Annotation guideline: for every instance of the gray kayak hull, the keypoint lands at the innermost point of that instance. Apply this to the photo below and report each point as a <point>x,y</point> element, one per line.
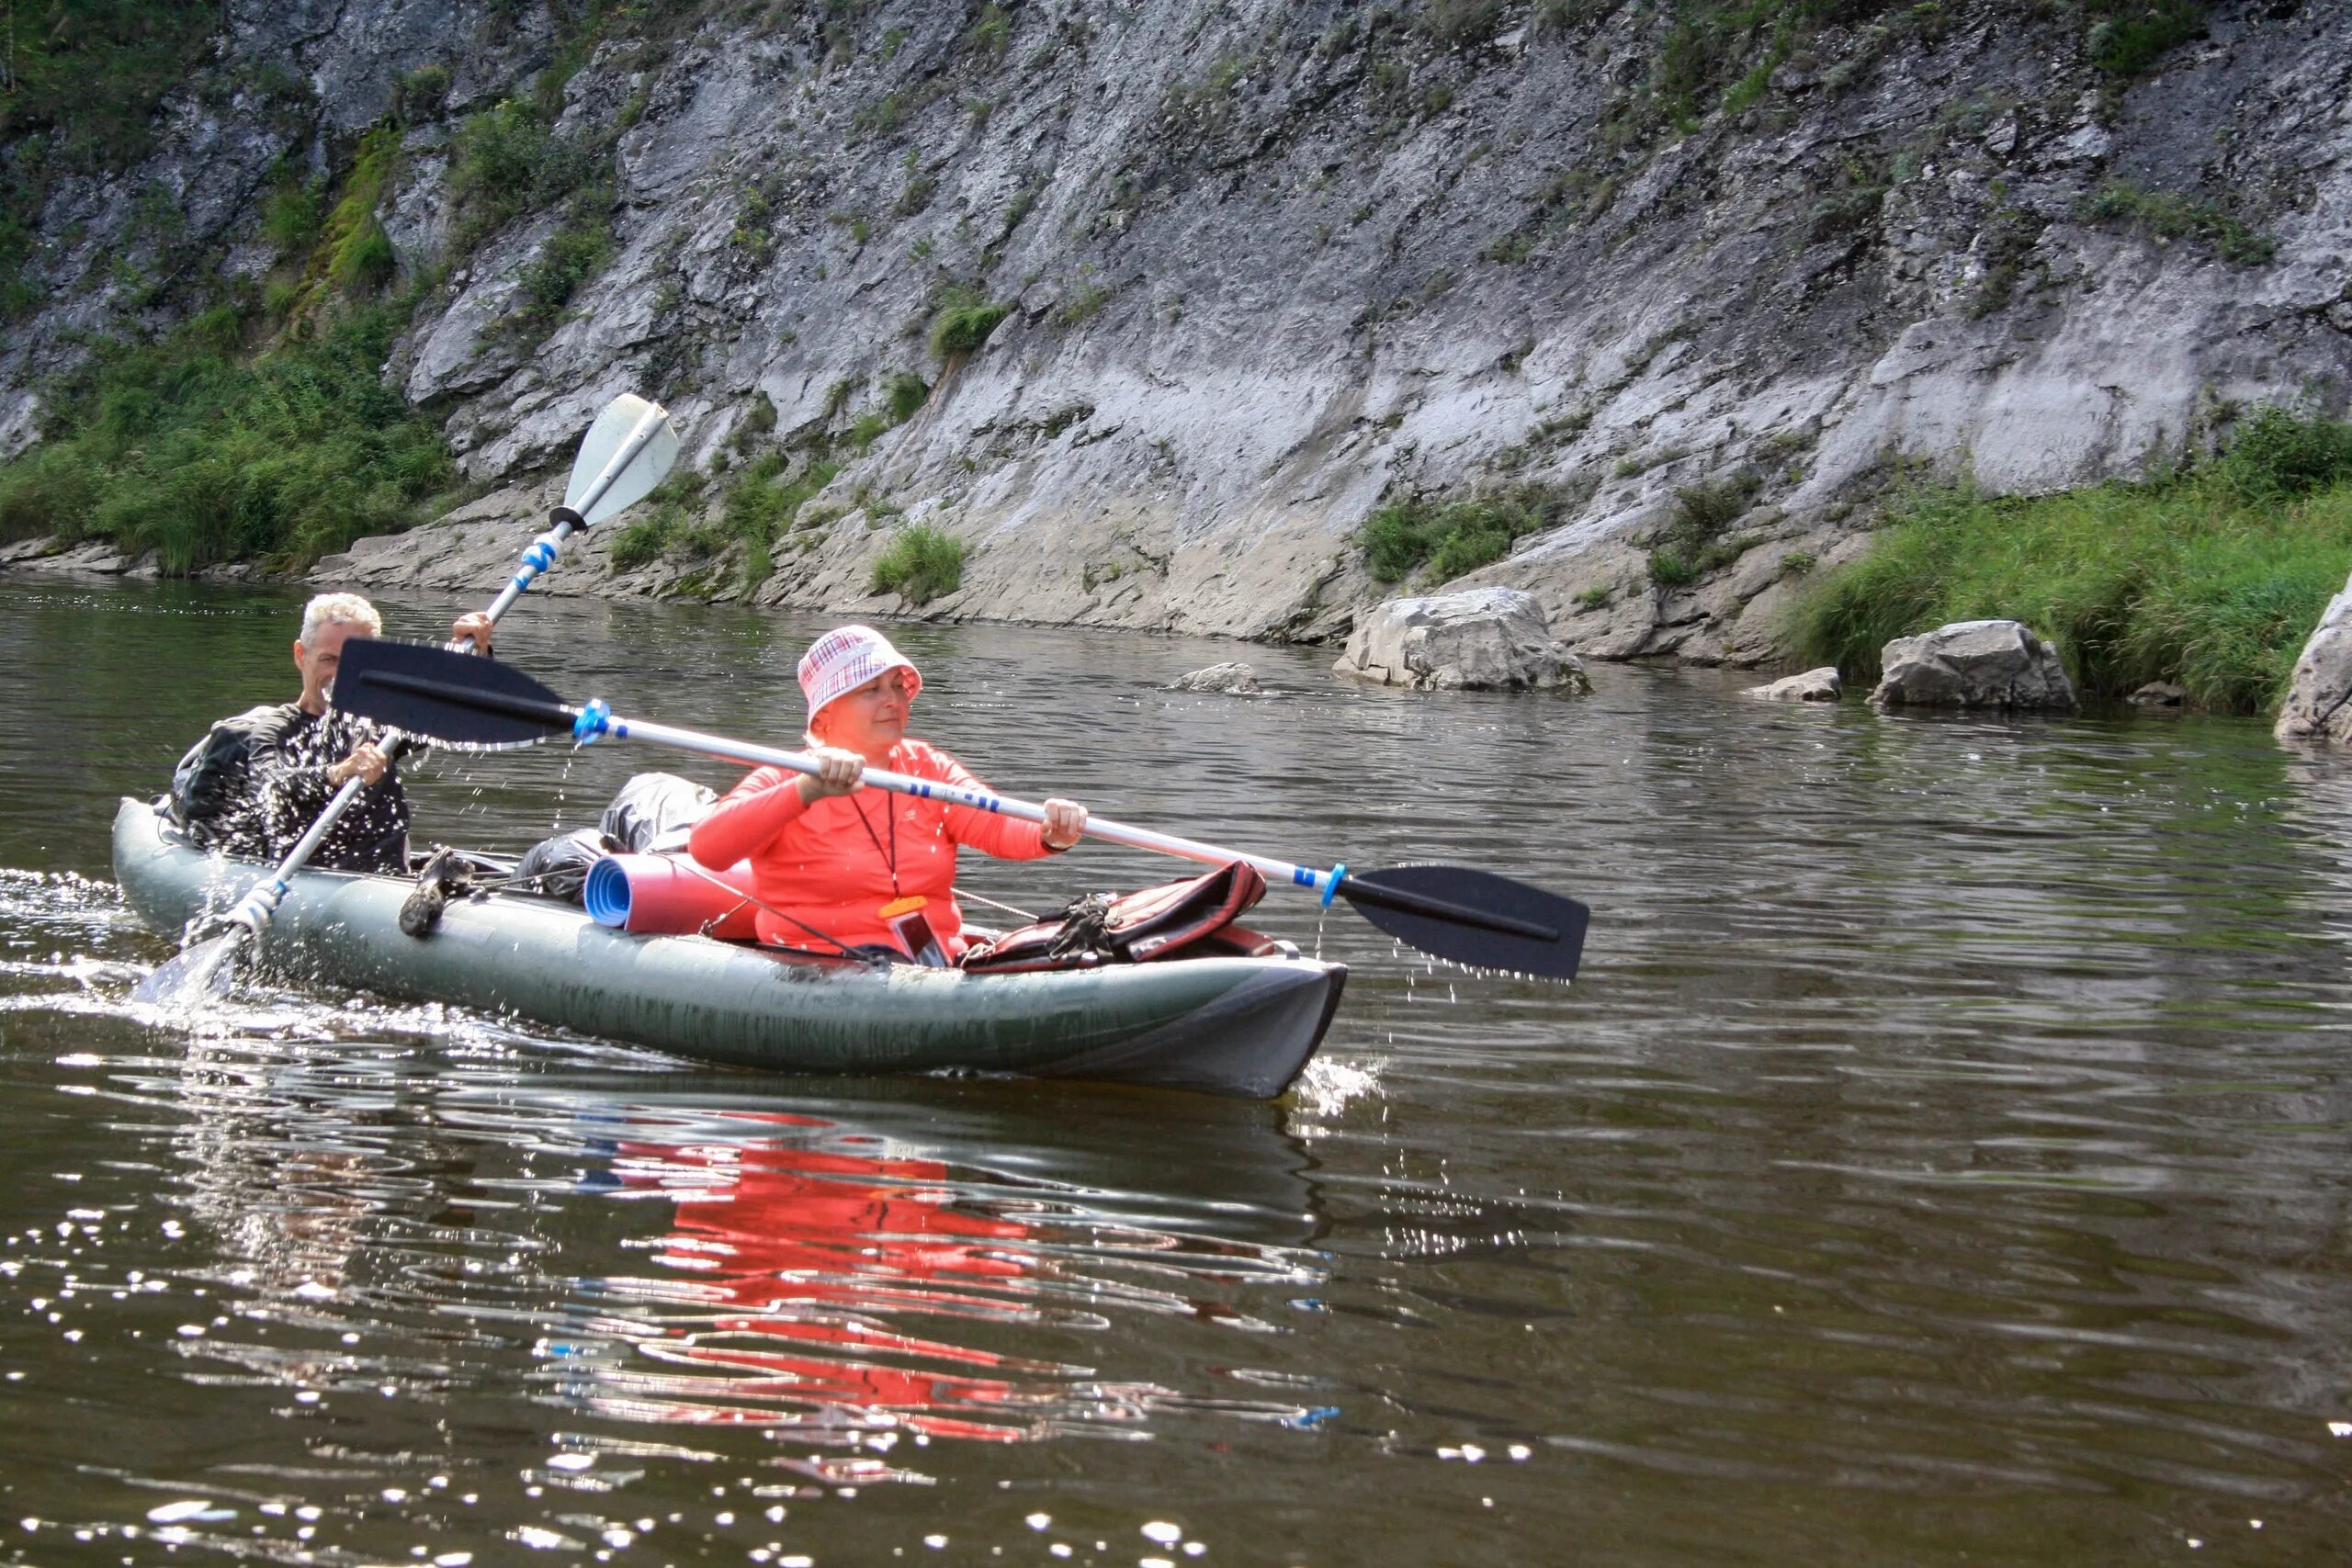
<point>1234,1026</point>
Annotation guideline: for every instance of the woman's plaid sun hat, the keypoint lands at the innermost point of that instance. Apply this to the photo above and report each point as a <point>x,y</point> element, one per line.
<point>847,658</point>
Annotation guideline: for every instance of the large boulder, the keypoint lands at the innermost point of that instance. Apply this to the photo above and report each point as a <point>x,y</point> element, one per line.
<point>2319,698</point>
<point>1480,638</point>
<point>1974,664</point>
<point>1822,685</point>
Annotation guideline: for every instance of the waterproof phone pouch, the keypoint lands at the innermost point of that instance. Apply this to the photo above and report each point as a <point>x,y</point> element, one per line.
<point>911,928</point>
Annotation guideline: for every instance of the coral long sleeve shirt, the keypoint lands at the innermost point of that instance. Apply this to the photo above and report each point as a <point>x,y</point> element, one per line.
<point>830,864</point>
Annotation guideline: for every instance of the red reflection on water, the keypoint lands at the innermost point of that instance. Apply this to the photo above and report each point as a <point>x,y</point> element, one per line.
<point>795,1251</point>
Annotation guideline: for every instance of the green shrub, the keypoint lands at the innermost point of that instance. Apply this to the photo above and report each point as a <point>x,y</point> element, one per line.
<point>365,263</point>
<point>990,32</point>
<point>758,420</point>
<point>762,505</point>
<point>422,93</point>
<point>961,328</point>
<point>507,162</point>
<point>2212,578</point>
<point>289,220</point>
<point>178,447</point>
<point>1451,538</point>
<point>1087,303</point>
<point>2278,454</point>
<point>646,537</point>
<point>2135,32</point>
<point>573,254</point>
<point>1668,569</point>
<point>923,563</point>
<point>904,394</point>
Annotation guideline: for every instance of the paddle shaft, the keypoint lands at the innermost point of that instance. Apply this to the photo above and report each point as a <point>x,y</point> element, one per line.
<point>594,720</point>
<point>1466,916</point>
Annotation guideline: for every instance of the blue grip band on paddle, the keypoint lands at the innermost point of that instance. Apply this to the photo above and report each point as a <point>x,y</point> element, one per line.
<point>593,720</point>
<point>1338,874</point>
<point>540,555</point>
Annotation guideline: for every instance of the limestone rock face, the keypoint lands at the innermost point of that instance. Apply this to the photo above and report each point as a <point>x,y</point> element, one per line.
<point>1235,678</point>
<point>1481,637</point>
<point>1822,685</point>
<point>1974,664</point>
<point>2319,700</point>
<point>1261,272</point>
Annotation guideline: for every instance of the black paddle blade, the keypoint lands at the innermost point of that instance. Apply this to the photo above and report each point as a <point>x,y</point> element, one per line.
<point>452,697</point>
<point>1473,917</point>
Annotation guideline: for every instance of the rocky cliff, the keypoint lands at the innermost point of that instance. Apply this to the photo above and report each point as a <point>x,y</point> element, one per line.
<point>1662,273</point>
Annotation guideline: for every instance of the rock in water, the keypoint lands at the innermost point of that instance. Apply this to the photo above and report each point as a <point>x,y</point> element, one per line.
<point>1478,638</point>
<point>1238,678</point>
<point>2319,699</point>
<point>1822,685</point>
<point>2158,694</point>
<point>1974,664</point>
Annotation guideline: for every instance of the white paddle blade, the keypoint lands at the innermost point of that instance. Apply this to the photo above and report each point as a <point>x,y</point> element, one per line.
<point>625,454</point>
<point>206,969</point>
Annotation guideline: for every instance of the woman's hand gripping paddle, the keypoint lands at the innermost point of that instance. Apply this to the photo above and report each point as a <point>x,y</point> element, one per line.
<point>1472,917</point>
<point>623,455</point>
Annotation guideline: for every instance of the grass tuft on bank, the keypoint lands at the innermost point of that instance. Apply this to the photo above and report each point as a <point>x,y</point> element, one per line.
<point>2211,578</point>
<point>183,447</point>
<point>1443,539</point>
<point>923,563</point>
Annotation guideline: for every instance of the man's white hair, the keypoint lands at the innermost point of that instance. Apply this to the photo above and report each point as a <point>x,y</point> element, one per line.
<point>339,609</point>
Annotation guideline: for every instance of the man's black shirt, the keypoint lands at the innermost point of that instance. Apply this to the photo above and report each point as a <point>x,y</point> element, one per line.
<point>256,782</point>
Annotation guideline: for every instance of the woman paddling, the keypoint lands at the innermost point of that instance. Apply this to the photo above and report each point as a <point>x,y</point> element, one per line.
<point>849,867</point>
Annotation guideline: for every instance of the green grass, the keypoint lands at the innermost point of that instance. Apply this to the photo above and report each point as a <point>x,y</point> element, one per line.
<point>2131,34</point>
<point>183,447</point>
<point>2169,217</point>
<point>964,323</point>
<point>354,251</point>
<point>923,563</point>
<point>2211,578</point>
<point>1443,539</point>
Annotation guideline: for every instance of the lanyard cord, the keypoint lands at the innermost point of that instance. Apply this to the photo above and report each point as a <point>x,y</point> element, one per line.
<point>891,858</point>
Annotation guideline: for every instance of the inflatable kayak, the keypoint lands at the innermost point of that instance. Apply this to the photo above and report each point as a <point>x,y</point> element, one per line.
<point>1230,1025</point>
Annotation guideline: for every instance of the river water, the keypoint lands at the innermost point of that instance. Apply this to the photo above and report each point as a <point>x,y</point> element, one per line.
<point>1943,1156</point>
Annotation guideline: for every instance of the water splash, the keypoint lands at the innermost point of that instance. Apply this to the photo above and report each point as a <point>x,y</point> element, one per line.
<point>198,976</point>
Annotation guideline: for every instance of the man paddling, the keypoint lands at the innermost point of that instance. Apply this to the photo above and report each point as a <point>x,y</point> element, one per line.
<point>256,782</point>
